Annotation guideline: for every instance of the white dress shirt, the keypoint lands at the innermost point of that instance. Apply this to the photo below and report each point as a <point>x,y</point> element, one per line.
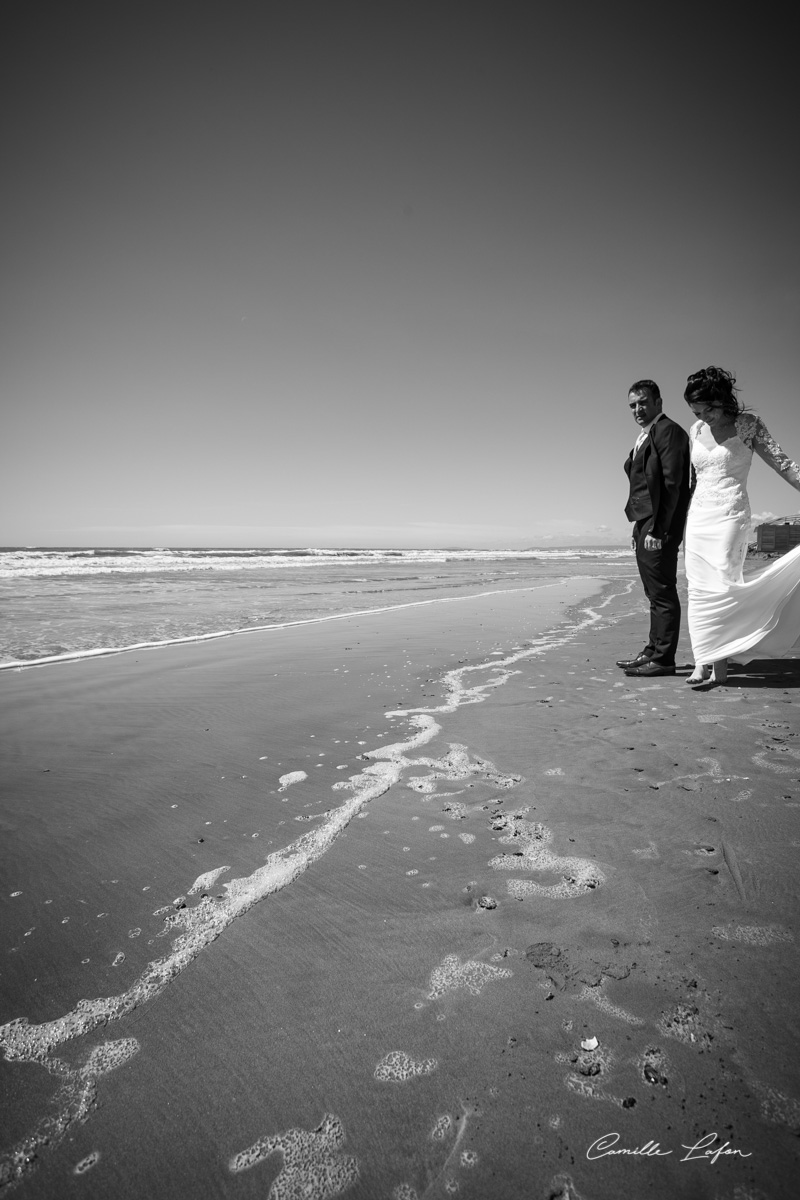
<point>642,438</point>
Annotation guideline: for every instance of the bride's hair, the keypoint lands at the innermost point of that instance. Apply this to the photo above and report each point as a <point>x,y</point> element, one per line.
<point>714,385</point>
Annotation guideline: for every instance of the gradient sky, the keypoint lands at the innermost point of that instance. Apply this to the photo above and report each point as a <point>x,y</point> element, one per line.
<point>378,273</point>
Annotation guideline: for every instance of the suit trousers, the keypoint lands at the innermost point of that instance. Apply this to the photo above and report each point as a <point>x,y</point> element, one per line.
<point>659,574</point>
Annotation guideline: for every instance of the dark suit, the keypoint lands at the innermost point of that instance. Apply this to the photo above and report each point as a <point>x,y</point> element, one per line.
<point>660,490</point>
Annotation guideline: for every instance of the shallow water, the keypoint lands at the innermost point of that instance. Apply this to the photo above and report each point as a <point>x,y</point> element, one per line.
<point>56,602</point>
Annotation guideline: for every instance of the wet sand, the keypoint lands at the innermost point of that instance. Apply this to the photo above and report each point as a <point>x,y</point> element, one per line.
<point>457,843</point>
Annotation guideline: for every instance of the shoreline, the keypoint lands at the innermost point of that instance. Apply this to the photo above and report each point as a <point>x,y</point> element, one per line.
<point>105,651</point>
<point>132,772</point>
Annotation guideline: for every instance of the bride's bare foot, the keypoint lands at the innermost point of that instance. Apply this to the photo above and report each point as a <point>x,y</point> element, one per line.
<point>700,674</point>
<point>720,672</point>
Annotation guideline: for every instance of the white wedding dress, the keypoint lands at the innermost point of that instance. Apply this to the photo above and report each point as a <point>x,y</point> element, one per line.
<point>728,617</point>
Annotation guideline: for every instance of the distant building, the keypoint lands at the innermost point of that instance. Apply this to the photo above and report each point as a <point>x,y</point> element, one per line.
<point>779,535</point>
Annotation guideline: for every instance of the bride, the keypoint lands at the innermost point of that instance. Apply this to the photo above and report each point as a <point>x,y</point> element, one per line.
<point>728,616</point>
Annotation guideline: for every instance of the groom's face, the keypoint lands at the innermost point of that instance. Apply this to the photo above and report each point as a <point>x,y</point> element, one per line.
<point>644,408</point>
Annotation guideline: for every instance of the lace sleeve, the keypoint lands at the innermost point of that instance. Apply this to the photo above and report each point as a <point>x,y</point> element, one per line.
<point>754,433</point>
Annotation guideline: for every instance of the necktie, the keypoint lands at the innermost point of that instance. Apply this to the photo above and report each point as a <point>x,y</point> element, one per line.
<point>640,441</point>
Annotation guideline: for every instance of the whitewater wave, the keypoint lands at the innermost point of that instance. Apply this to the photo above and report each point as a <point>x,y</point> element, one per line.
<point>31,562</point>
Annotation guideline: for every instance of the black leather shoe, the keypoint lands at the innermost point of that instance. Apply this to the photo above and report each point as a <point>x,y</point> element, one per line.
<point>633,662</point>
<point>648,669</point>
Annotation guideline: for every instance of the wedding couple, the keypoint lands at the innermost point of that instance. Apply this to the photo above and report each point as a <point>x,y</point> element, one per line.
<point>697,485</point>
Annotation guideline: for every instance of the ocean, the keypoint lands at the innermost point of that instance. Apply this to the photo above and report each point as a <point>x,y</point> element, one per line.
<point>58,603</point>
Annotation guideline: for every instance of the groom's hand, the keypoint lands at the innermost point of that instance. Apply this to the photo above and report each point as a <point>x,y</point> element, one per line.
<point>652,543</point>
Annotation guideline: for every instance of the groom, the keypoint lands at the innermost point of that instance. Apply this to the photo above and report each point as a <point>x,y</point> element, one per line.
<point>658,470</point>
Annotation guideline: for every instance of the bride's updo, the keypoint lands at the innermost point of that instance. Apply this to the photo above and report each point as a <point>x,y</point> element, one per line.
<point>713,385</point>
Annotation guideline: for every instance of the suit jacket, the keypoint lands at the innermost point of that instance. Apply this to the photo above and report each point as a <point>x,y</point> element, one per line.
<point>667,469</point>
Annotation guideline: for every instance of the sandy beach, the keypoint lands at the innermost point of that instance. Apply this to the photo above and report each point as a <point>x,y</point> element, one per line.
<point>427,902</point>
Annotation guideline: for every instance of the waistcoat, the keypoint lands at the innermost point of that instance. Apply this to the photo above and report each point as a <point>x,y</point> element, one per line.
<point>639,504</point>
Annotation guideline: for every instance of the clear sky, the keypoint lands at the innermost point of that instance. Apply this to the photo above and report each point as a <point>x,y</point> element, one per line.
<point>381,273</point>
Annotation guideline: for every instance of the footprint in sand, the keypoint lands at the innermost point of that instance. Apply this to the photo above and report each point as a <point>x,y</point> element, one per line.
<point>588,1070</point>
<point>573,969</point>
<point>684,1023</point>
<point>653,1067</point>
<point>314,1166</point>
